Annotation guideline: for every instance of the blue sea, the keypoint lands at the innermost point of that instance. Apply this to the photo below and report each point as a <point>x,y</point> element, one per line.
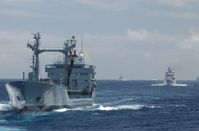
<point>119,106</point>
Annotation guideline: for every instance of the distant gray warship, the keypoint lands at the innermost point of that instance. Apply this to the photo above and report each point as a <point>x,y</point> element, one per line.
<point>169,80</point>
<point>70,83</point>
<point>169,77</point>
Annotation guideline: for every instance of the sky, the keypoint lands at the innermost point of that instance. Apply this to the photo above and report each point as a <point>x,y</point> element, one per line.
<point>136,39</point>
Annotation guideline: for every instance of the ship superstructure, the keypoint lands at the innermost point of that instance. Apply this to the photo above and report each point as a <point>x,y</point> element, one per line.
<point>169,77</point>
<point>69,83</point>
<point>169,80</point>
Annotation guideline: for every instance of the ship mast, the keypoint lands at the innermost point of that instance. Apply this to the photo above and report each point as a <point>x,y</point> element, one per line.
<point>37,44</point>
<point>68,51</point>
<point>36,51</point>
<point>69,58</point>
<point>81,43</point>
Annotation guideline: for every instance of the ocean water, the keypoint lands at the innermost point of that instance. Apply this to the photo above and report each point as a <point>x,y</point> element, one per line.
<point>119,106</point>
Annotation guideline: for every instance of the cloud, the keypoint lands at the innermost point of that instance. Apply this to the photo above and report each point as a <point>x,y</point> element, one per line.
<point>137,34</point>
<point>127,4</point>
<point>184,15</point>
<point>17,2</point>
<point>139,37</point>
<point>148,55</point>
<point>115,5</point>
<point>116,53</point>
<point>191,41</point>
<point>17,13</point>
<point>16,58</point>
<point>177,9</point>
<point>108,51</point>
<point>130,48</point>
<point>33,8</point>
<point>19,8</point>
<point>176,3</point>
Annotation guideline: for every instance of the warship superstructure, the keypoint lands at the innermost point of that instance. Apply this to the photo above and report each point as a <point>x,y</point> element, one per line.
<point>169,80</point>
<point>70,83</point>
<point>169,77</point>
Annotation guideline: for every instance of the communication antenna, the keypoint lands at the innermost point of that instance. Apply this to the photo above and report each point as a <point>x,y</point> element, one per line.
<point>81,43</point>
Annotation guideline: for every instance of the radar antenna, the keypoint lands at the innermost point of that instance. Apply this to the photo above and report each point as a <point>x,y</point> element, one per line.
<point>35,49</point>
<point>81,43</point>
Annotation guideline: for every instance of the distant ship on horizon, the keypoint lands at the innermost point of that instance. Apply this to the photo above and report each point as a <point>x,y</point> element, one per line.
<point>197,79</point>
<point>121,78</point>
<point>169,79</point>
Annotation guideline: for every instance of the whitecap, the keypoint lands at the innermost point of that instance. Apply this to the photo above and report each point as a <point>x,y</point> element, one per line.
<point>106,108</point>
<point>178,85</point>
<point>158,84</point>
<point>97,107</point>
<point>61,110</point>
<point>122,100</point>
<point>130,107</point>
<point>121,107</point>
<point>5,107</point>
<point>11,129</point>
<point>152,106</point>
<point>72,109</point>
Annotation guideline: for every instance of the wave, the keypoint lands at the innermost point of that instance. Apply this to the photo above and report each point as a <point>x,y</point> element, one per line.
<point>11,129</point>
<point>178,85</point>
<point>86,108</point>
<point>94,107</point>
<point>60,110</point>
<point>119,101</point>
<point>5,107</point>
<point>158,84</point>
<point>98,107</point>
<point>121,107</point>
<point>71,109</point>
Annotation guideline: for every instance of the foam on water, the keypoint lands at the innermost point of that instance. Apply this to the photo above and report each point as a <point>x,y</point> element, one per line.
<point>117,101</point>
<point>98,107</point>
<point>120,107</point>
<point>11,129</point>
<point>106,108</point>
<point>158,84</point>
<point>61,110</point>
<point>132,105</point>
<point>72,109</point>
<point>5,107</point>
<point>178,85</point>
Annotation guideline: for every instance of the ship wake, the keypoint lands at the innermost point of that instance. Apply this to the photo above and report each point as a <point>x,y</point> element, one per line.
<point>100,107</point>
<point>176,85</point>
<point>5,107</point>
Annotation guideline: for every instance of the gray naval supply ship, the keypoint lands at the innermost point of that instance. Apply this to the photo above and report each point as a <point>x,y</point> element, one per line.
<point>70,83</point>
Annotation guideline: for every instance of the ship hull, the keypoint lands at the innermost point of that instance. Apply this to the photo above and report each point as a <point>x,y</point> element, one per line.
<point>169,82</point>
<point>36,96</point>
